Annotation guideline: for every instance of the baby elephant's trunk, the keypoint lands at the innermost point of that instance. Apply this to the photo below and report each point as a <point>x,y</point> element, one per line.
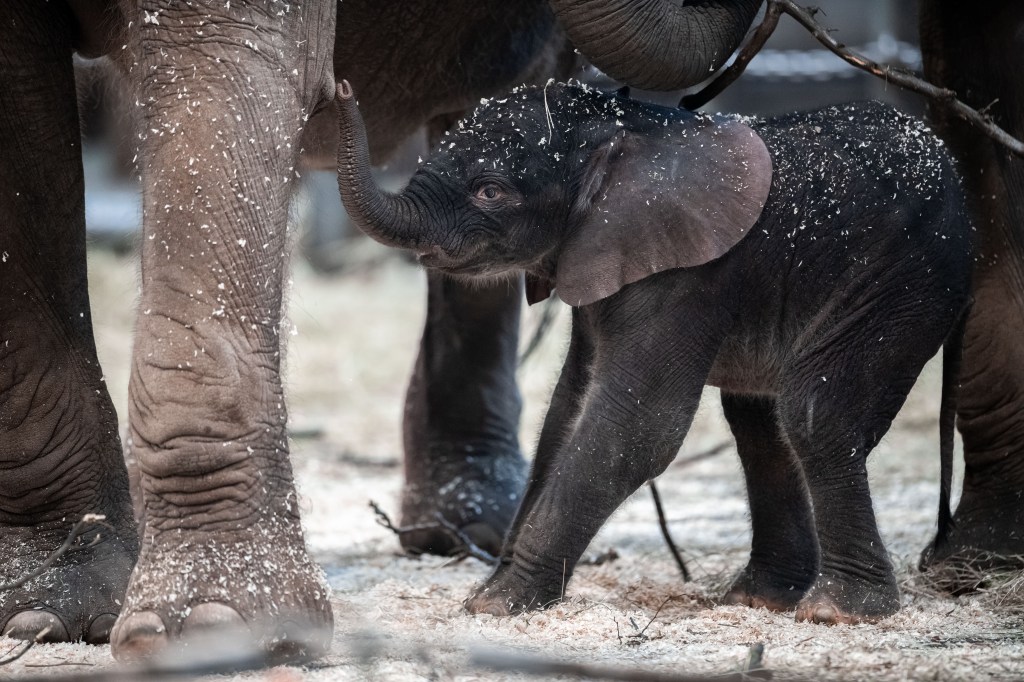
<point>390,219</point>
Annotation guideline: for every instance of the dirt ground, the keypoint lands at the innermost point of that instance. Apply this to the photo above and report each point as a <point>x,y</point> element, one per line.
<point>352,345</point>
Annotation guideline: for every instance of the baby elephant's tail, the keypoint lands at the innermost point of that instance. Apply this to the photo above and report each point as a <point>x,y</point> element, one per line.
<point>952,352</point>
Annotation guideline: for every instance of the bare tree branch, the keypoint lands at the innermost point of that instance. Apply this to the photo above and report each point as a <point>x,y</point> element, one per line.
<point>668,536</point>
<point>87,520</point>
<point>464,546</point>
<point>24,649</point>
<point>898,77</point>
<point>543,667</point>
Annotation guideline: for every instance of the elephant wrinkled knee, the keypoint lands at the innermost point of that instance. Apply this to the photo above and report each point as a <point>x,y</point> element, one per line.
<point>39,625</point>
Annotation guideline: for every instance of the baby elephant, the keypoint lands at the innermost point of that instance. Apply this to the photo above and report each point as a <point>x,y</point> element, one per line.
<point>807,265</point>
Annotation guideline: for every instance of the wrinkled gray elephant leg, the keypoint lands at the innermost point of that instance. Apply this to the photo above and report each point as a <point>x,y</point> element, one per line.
<point>462,456</point>
<point>980,54</point>
<point>784,550</point>
<point>839,395</point>
<point>226,89</point>
<point>635,415</point>
<point>59,448</point>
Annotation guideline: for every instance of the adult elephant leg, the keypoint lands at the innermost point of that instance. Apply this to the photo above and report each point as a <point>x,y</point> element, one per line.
<point>979,52</point>
<point>59,449</point>
<point>226,88</point>
<point>462,456</point>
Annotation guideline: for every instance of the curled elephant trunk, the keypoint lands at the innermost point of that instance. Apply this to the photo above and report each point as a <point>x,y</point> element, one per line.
<point>392,220</point>
<point>657,44</point>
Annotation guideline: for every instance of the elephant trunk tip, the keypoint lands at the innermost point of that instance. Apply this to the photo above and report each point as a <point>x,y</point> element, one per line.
<point>344,90</point>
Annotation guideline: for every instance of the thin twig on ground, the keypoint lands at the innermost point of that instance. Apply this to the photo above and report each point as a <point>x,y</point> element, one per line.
<point>464,546</point>
<point>896,76</point>
<point>25,647</point>
<point>221,654</point>
<point>663,524</point>
<point>640,636</point>
<point>544,667</point>
<point>76,530</point>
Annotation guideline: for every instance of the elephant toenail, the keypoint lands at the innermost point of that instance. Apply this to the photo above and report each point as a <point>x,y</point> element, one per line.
<point>138,636</point>
<point>212,616</point>
<point>40,625</point>
<point>825,615</point>
<point>99,629</point>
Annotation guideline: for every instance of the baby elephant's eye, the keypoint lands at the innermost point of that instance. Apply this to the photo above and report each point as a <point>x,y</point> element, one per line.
<point>489,191</point>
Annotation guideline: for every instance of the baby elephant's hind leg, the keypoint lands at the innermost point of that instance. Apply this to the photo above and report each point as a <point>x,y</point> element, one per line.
<point>784,551</point>
<point>839,397</point>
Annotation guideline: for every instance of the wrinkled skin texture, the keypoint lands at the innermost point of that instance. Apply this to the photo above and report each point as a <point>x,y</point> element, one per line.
<point>59,446</point>
<point>222,110</point>
<point>979,52</point>
<point>814,321</point>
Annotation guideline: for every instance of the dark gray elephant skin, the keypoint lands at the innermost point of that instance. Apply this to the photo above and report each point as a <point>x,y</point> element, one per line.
<point>808,265</point>
<point>224,93</point>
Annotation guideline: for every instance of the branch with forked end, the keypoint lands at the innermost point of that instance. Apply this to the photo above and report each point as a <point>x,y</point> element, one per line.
<point>76,530</point>
<point>908,81</point>
<point>464,546</point>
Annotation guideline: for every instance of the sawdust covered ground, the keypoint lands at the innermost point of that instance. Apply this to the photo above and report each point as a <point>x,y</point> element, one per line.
<point>353,343</point>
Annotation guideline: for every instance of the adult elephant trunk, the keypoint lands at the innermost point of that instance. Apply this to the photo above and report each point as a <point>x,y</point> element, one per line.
<point>657,44</point>
<point>391,219</point>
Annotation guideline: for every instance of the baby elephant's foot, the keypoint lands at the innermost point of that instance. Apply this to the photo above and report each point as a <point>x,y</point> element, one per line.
<point>509,591</point>
<point>842,599</point>
<point>761,588</point>
<point>479,493</point>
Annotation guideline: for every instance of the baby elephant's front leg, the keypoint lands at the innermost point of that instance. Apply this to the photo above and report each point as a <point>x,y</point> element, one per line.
<point>631,423</point>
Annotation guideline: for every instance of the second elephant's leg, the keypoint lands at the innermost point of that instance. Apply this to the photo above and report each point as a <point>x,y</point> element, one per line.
<point>226,89</point>
<point>60,454</point>
<point>462,456</point>
<point>980,55</point>
<point>784,550</point>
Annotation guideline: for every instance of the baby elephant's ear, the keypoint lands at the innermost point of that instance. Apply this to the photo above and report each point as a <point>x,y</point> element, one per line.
<point>652,202</point>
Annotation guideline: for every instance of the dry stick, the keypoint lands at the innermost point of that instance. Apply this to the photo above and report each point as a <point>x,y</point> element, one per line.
<point>507,662</point>
<point>28,645</point>
<point>464,546</point>
<point>662,522</point>
<point>86,520</point>
<point>898,77</point>
<point>665,534</point>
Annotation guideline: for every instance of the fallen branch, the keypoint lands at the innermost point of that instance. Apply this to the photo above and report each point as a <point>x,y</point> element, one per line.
<point>898,77</point>
<point>663,523</point>
<point>464,546</point>
<point>24,649</point>
<point>545,667</point>
<point>218,653</point>
<point>76,530</point>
